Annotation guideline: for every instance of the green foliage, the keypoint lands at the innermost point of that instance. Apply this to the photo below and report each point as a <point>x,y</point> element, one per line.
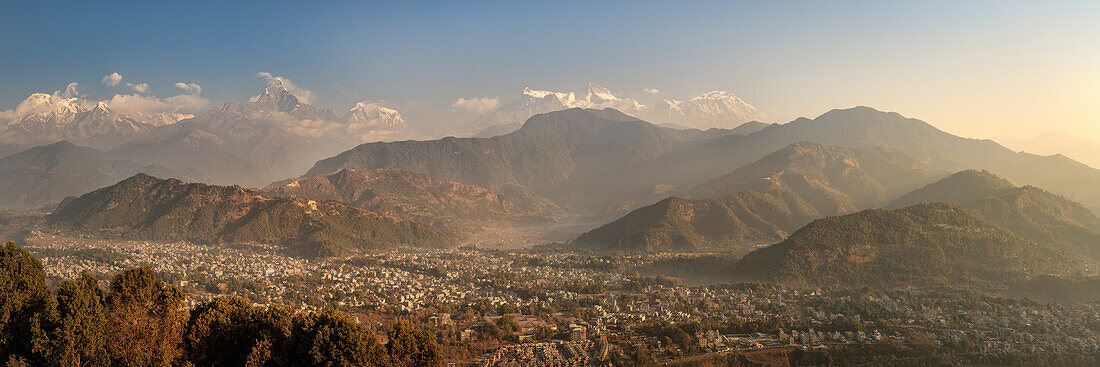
<point>409,347</point>
<point>27,311</point>
<point>229,331</point>
<point>81,339</point>
<point>329,338</point>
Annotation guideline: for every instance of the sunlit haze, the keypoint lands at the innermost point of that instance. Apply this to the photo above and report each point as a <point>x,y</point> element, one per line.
<point>979,69</point>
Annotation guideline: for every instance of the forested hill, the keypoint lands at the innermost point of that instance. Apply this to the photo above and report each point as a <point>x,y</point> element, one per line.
<point>918,245</point>
<point>1028,211</point>
<point>146,207</point>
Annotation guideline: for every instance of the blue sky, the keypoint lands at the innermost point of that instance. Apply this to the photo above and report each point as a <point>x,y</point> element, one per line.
<point>983,68</point>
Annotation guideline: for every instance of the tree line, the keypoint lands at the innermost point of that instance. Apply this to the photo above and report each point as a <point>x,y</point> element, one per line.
<point>140,320</point>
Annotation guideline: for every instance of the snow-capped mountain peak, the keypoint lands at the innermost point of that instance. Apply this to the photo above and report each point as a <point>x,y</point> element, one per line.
<point>373,114</point>
<point>595,93</point>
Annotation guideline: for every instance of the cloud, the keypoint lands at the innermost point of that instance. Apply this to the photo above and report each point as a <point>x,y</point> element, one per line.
<point>112,79</point>
<point>652,90</point>
<point>480,105</point>
<point>140,87</point>
<point>190,88</point>
<point>137,103</point>
<point>304,95</point>
<point>70,91</point>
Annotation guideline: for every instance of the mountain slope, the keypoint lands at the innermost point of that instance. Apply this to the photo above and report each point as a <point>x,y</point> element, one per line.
<point>576,158</point>
<point>833,179</point>
<point>939,150</point>
<point>46,174</point>
<point>918,245</point>
<point>145,207</point>
<point>734,223</point>
<point>1027,211</point>
<point>586,162</point>
<point>417,197</point>
<point>763,202</point>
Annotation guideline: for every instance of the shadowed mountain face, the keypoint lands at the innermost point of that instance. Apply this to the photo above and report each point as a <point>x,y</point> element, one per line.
<point>44,175</point>
<point>145,207</point>
<point>763,202</point>
<point>414,196</point>
<point>580,159</point>
<point>919,245</point>
<point>1027,211</point>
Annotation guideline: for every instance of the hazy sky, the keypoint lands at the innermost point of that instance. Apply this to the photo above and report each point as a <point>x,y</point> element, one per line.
<point>980,68</point>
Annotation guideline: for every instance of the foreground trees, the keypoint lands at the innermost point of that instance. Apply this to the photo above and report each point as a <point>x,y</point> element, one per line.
<point>141,321</point>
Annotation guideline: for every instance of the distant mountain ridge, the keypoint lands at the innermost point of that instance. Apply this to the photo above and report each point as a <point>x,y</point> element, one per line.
<point>44,175</point>
<point>715,109</point>
<point>145,207</point>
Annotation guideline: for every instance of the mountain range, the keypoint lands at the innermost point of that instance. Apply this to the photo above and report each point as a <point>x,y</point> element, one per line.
<point>143,207</point>
<point>269,138</point>
<point>47,118</point>
<point>715,109</point>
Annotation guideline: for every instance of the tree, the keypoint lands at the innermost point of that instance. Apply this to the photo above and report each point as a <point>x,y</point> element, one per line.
<point>229,331</point>
<point>329,338</point>
<point>409,346</point>
<point>145,320</point>
<point>27,310</point>
<point>80,339</point>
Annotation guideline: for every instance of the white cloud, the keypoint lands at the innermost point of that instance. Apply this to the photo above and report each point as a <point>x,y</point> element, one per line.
<point>477,104</point>
<point>71,91</point>
<point>136,103</point>
<point>140,87</point>
<point>304,95</point>
<point>652,90</point>
<point>112,79</point>
<point>190,88</point>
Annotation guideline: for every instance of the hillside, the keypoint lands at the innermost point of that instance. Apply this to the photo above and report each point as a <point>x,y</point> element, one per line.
<point>145,207</point>
<point>580,159</point>
<point>923,142</point>
<point>47,174</point>
<point>733,223</point>
<point>589,160</point>
<point>1027,211</point>
<point>833,179</point>
<point>417,197</point>
<point>918,245</point>
<point>763,202</point>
